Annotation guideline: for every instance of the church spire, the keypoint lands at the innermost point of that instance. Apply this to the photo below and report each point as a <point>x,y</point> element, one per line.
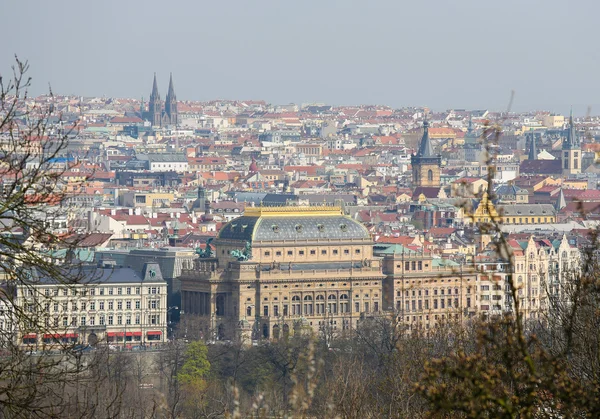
<point>171,92</point>
<point>532,149</point>
<point>171,103</point>
<point>425,148</point>
<point>154,93</point>
<point>560,201</point>
<point>571,139</point>
<point>155,105</point>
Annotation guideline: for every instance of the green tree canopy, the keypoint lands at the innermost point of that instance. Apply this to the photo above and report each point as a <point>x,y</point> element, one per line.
<point>196,365</point>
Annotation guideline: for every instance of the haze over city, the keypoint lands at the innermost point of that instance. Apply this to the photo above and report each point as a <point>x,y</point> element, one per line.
<point>462,54</point>
<point>310,209</point>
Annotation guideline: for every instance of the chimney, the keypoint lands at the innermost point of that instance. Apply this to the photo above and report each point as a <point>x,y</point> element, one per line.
<point>113,211</point>
<point>130,211</point>
<point>138,211</point>
<point>177,214</point>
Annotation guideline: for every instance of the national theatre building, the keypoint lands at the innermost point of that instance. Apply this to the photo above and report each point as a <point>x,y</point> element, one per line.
<point>276,270</point>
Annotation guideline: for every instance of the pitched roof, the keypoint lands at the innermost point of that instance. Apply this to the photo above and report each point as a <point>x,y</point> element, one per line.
<point>544,167</point>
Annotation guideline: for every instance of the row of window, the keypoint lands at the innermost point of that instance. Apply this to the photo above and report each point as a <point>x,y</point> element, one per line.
<point>95,291</point>
<point>84,306</point>
<point>309,309</point>
<point>527,220</point>
<point>418,305</point>
<point>103,320</point>
<point>312,252</point>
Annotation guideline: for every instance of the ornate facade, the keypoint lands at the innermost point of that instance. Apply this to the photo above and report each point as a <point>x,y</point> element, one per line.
<point>157,114</point>
<point>281,269</point>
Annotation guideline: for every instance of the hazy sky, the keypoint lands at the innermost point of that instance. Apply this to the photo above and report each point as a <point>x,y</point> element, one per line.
<point>437,53</point>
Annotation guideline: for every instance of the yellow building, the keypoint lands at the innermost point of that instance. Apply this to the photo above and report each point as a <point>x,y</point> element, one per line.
<point>283,269</point>
<point>424,291</point>
<point>553,121</point>
<point>487,212</point>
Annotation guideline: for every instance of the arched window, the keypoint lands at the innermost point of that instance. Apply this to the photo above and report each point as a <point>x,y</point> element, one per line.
<point>430,175</point>
<point>296,306</point>
<point>308,307</point>
<point>344,305</point>
<point>276,332</point>
<point>249,311</point>
<point>265,331</point>
<point>332,305</point>
<point>320,306</point>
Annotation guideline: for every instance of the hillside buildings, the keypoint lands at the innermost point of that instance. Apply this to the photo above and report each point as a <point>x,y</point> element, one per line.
<point>234,194</point>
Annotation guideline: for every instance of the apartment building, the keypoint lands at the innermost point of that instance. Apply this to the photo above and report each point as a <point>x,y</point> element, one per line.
<point>108,304</point>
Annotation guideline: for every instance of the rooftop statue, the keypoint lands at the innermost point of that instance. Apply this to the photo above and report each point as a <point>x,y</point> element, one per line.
<point>207,252</point>
<point>243,255</point>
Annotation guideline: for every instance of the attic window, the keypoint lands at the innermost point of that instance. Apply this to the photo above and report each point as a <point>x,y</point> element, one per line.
<point>299,228</point>
<point>321,228</point>
<point>275,228</point>
<point>344,227</point>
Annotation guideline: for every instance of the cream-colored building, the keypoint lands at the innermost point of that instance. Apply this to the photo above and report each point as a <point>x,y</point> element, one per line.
<point>424,291</point>
<point>108,304</point>
<point>309,268</point>
<point>553,121</point>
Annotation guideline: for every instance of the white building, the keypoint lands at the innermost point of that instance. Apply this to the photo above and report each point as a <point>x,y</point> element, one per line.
<point>107,304</point>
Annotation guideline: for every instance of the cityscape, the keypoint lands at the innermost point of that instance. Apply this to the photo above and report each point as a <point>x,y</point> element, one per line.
<point>373,224</point>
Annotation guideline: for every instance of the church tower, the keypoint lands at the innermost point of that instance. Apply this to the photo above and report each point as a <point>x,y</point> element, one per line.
<point>425,164</point>
<point>571,151</point>
<point>171,104</point>
<point>155,105</point>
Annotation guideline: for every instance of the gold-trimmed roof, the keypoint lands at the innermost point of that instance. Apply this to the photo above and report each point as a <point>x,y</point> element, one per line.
<point>297,211</point>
